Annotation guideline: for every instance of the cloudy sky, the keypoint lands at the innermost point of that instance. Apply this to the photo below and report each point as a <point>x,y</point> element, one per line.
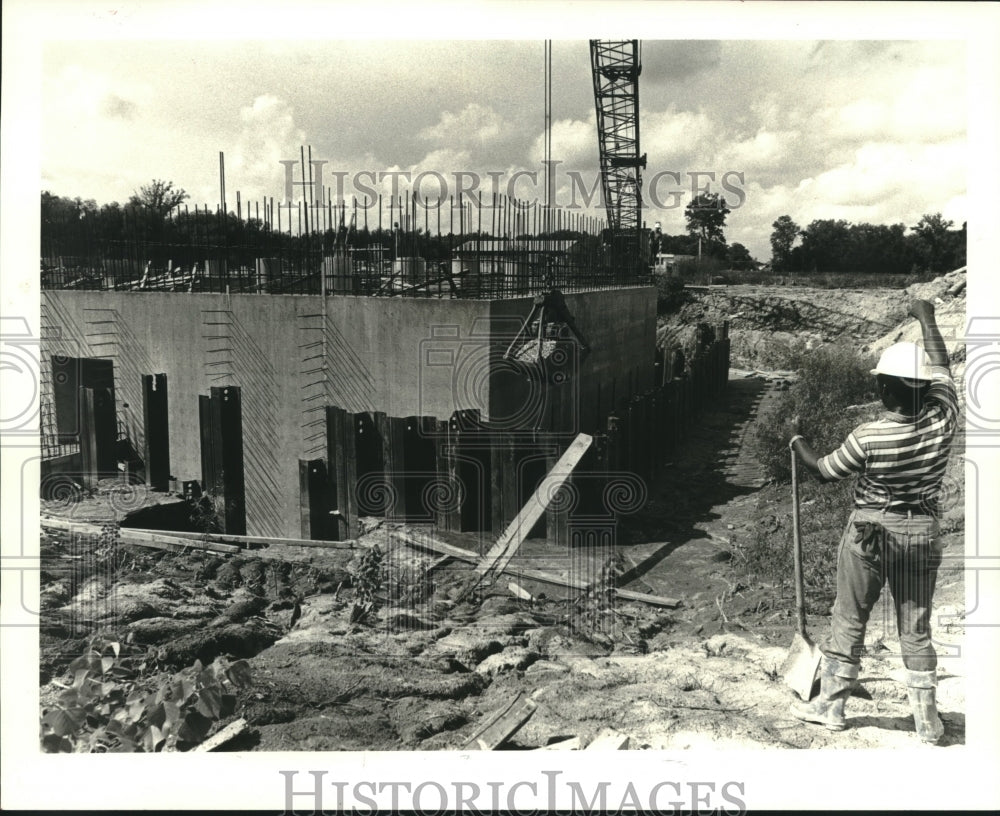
<point>871,131</point>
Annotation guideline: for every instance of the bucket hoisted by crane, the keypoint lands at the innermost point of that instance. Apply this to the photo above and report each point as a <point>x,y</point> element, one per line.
<point>548,343</point>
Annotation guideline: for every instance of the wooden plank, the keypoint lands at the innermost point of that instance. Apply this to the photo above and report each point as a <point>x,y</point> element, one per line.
<point>63,525</point>
<point>518,591</point>
<point>609,740</point>
<point>438,562</point>
<point>470,557</point>
<point>392,431</point>
<point>227,428</point>
<point>652,600</point>
<point>341,470</point>
<point>314,509</point>
<point>503,725</point>
<point>156,430</point>
<point>557,514</point>
<point>231,731</point>
<point>262,540</point>
<point>211,482</point>
<point>499,556</point>
<point>448,515</point>
<point>144,539</point>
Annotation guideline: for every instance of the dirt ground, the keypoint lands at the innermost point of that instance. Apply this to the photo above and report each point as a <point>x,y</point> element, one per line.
<point>769,323</point>
<point>428,668</point>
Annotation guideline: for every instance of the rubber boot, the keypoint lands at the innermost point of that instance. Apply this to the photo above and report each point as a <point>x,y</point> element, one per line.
<point>836,682</point>
<point>921,687</point>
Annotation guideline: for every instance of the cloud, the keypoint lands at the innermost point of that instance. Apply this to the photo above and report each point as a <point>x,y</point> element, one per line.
<point>475,123</point>
<point>574,143</point>
<point>268,135</point>
<point>864,130</point>
<point>664,62</point>
<point>116,107</point>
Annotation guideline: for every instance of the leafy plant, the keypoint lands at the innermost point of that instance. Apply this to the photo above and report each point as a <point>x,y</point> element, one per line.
<point>832,379</point>
<point>207,514</point>
<point>593,611</point>
<point>765,552</point>
<point>367,583</point>
<point>670,294</point>
<point>108,707</point>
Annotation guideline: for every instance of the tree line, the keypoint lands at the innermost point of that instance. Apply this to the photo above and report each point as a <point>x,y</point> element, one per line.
<point>933,245</point>
<point>156,218</point>
<point>153,214</point>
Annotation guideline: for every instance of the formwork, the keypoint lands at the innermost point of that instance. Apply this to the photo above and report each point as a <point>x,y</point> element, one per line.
<point>271,400</point>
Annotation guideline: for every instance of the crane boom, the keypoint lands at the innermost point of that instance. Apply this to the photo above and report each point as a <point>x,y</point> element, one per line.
<point>616,65</point>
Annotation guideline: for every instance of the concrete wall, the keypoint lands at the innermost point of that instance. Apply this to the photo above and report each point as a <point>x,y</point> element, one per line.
<point>294,354</point>
<point>619,325</point>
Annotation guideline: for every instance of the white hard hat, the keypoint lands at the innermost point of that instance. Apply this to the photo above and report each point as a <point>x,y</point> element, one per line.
<point>907,361</point>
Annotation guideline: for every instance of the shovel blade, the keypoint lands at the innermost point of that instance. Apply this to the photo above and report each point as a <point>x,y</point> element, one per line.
<point>799,668</point>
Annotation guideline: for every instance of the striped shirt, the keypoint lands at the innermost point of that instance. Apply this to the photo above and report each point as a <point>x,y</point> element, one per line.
<point>901,459</point>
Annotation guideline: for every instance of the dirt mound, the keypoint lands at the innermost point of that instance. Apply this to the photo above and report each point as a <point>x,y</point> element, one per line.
<point>770,324</point>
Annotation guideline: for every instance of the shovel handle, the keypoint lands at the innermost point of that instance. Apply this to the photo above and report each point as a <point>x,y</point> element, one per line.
<point>800,602</point>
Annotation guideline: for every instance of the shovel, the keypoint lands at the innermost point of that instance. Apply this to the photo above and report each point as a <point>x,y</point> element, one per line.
<point>800,666</point>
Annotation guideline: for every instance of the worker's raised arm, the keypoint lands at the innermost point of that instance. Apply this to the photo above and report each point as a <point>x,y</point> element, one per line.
<point>923,311</point>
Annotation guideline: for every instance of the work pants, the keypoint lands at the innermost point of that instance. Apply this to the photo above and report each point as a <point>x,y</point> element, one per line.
<point>878,548</point>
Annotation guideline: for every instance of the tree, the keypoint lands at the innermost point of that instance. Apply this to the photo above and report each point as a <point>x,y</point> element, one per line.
<point>939,248</point>
<point>739,257</point>
<point>782,239</point>
<point>706,217</point>
<point>825,244</point>
<point>158,197</point>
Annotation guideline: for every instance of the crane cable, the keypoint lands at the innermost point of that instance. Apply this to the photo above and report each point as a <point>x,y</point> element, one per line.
<point>549,179</point>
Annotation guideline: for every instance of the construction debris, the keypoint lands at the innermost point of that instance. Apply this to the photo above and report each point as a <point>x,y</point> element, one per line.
<point>609,740</point>
<point>427,542</point>
<point>519,592</point>
<point>230,732</point>
<point>265,541</point>
<point>571,744</point>
<point>500,727</point>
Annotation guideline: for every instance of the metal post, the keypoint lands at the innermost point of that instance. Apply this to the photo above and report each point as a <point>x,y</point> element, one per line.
<point>156,430</point>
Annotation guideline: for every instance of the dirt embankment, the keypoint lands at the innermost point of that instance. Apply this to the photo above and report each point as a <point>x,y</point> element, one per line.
<point>769,324</point>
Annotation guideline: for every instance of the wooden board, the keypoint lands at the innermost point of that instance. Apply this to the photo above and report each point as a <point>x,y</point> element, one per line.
<point>497,559</point>
<point>227,538</point>
<point>609,740</point>
<point>442,548</point>
<point>571,744</point>
<point>234,729</point>
<point>502,725</point>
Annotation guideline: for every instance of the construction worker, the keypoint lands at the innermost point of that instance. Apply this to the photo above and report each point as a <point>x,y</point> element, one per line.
<point>892,533</point>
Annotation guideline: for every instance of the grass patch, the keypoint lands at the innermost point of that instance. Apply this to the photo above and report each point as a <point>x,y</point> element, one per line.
<point>835,392</point>
<point>764,553</point>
